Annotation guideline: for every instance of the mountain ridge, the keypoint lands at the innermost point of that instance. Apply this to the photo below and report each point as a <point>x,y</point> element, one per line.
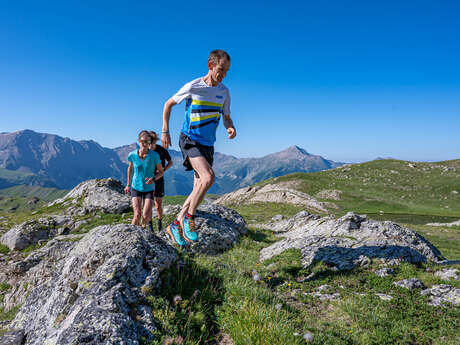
<point>62,162</point>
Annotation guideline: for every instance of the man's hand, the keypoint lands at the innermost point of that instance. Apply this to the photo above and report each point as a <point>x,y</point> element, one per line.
<point>127,190</point>
<point>231,132</point>
<point>158,176</point>
<point>165,140</point>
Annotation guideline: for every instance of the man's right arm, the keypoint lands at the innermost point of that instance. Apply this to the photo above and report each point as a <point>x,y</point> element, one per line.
<point>165,136</point>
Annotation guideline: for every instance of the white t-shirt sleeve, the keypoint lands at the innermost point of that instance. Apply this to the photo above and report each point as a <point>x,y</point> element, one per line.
<point>183,93</point>
<point>226,105</point>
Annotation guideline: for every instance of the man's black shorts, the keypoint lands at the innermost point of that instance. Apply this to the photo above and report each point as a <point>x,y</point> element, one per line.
<point>144,195</point>
<point>191,148</point>
<point>159,188</point>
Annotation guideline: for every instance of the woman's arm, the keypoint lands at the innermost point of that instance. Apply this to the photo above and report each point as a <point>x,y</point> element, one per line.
<point>130,173</point>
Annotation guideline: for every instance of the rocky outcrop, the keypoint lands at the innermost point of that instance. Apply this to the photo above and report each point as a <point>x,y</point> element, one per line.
<point>411,284</point>
<point>104,195</point>
<point>331,194</point>
<point>273,193</point>
<point>218,228</point>
<point>352,240</point>
<point>281,224</point>
<point>33,231</point>
<point>439,295</point>
<point>88,291</point>
<point>447,274</point>
<point>456,223</point>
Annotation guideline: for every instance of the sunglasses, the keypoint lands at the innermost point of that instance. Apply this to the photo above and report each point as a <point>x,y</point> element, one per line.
<point>145,141</point>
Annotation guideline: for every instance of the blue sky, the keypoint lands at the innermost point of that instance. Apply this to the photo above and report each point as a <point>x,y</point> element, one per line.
<point>349,80</point>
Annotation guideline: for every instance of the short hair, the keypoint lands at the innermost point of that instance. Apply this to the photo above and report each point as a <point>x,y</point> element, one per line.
<point>144,132</point>
<point>154,136</point>
<point>216,55</point>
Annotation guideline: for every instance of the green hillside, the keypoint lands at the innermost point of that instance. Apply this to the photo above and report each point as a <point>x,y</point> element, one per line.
<point>388,186</point>
<point>26,198</point>
<point>9,178</point>
<point>46,194</point>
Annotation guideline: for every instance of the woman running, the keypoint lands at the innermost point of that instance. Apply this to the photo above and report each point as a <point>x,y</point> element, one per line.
<point>141,176</point>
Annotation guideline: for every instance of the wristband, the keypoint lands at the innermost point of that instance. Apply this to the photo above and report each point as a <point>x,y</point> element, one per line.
<point>164,132</point>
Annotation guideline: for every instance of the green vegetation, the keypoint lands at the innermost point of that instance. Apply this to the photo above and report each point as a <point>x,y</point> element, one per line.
<point>201,297</point>
<point>4,287</point>
<point>218,294</point>
<point>4,249</point>
<point>45,194</point>
<point>233,303</point>
<point>388,186</point>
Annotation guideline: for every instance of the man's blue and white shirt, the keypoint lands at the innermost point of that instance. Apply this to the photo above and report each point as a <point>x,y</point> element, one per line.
<point>204,107</point>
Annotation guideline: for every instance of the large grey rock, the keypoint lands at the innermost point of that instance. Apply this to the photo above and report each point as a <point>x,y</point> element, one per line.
<point>279,225</point>
<point>277,193</point>
<point>442,294</point>
<point>351,241</point>
<point>384,272</point>
<point>218,229</point>
<point>32,231</point>
<point>105,195</point>
<point>13,337</point>
<point>447,273</point>
<point>89,291</point>
<point>411,283</point>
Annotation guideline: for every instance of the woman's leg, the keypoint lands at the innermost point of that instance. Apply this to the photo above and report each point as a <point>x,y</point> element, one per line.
<point>147,213</point>
<point>137,207</point>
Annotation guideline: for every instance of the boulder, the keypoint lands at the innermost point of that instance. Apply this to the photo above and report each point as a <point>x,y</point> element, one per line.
<point>384,272</point>
<point>273,193</point>
<point>105,195</point>
<point>411,284</point>
<point>351,241</point>
<point>282,224</point>
<point>448,273</point>
<point>218,229</point>
<point>32,231</point>
<point>442,294</point>
<point>90,291</point>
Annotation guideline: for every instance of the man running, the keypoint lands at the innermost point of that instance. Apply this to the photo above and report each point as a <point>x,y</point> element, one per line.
<point>160,183</point>
<point>207,99</point>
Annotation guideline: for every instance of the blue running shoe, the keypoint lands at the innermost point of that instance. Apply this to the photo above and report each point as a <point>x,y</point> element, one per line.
<point>174,232</point>
<point>188,225</point>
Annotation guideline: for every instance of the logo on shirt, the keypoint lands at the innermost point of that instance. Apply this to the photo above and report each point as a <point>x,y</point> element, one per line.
<point>219,96</point>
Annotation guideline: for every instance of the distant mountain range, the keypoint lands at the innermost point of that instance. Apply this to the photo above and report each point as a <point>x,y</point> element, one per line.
<point>48,160</point>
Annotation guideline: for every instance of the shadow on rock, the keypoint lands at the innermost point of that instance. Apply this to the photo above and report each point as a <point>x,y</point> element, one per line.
<point>348,258</point>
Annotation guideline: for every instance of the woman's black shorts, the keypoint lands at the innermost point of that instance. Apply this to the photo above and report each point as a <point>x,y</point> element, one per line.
<point>191,148</point>
<point>144,195</point>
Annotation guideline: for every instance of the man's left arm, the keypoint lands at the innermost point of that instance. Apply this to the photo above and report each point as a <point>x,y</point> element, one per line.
<point>228,123</point>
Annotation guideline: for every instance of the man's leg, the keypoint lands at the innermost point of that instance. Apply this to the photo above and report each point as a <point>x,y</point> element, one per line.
<point>203,180</point>
<point>159,209</point>
<point>137,205</point>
